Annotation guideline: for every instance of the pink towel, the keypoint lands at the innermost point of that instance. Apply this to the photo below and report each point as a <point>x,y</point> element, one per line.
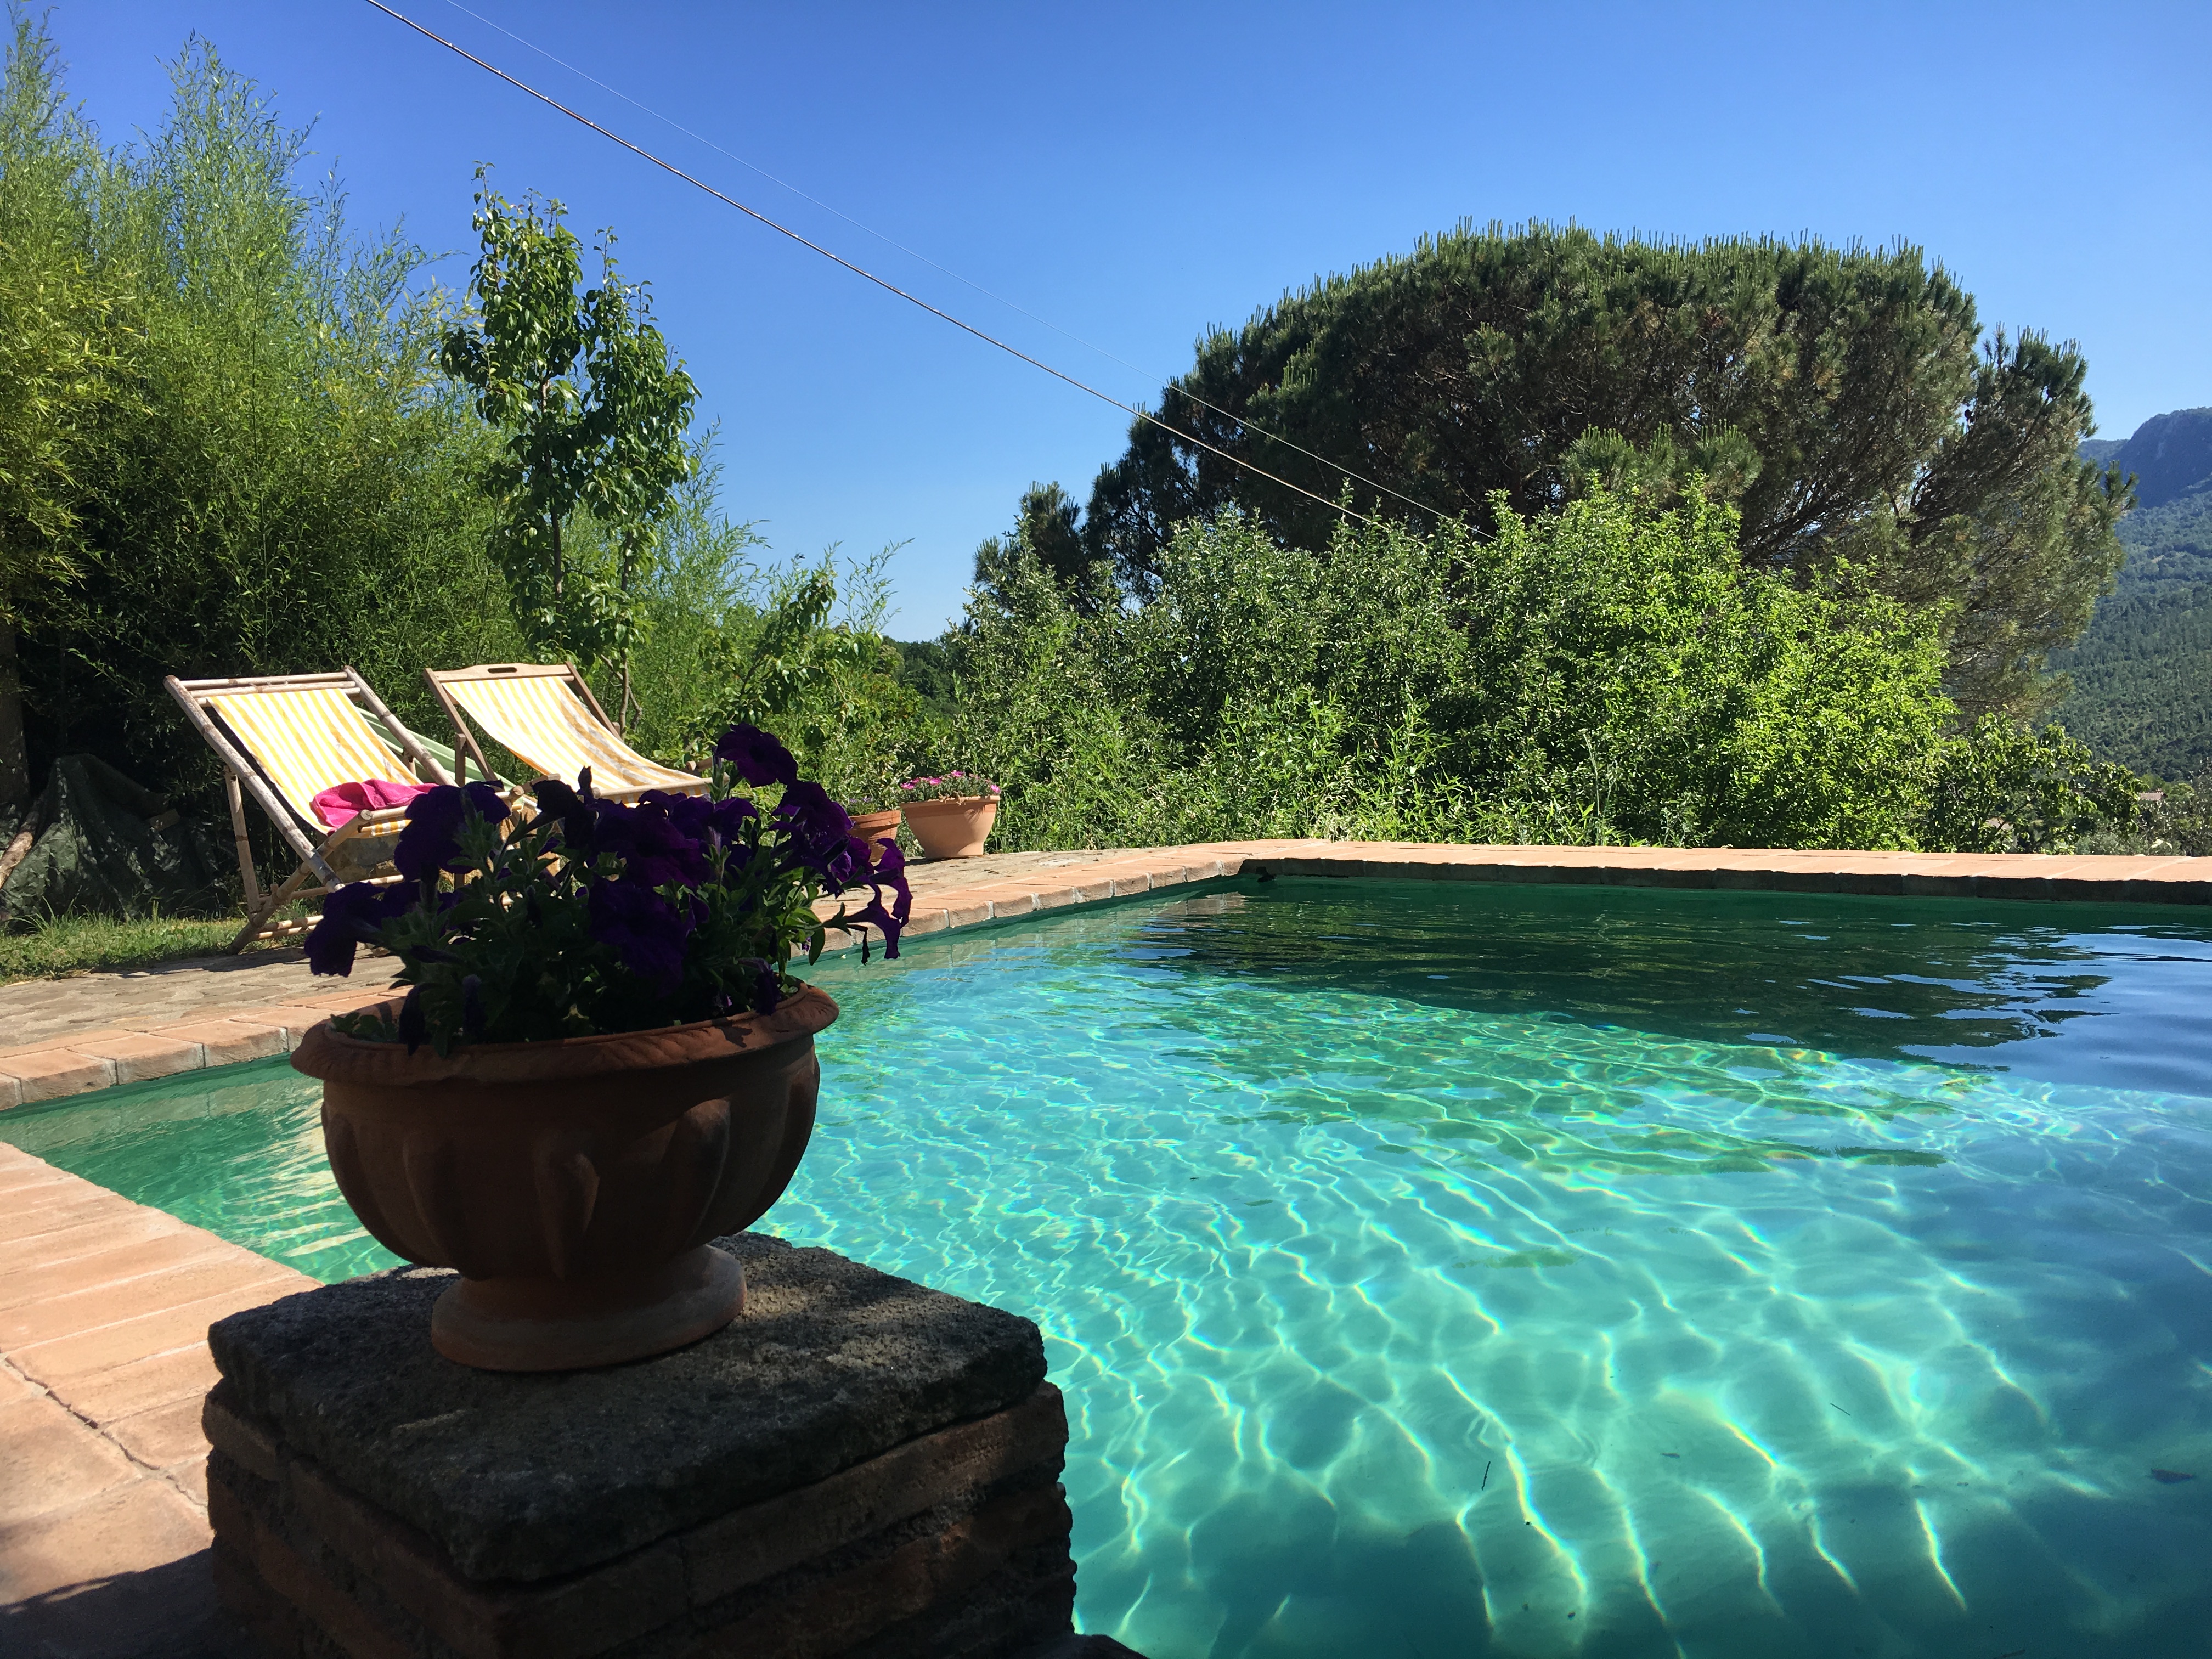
<point>336,806</point>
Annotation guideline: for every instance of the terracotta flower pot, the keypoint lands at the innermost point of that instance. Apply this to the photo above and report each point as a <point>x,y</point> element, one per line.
<point>574,1184</point>
<point>872,827</point>
<point>955,827</point>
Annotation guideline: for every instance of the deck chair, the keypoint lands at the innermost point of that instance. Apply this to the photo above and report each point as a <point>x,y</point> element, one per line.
<point>547,718</point>
<point>284,739</point>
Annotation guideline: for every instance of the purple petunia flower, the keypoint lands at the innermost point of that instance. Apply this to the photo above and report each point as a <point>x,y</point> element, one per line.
<point>810,811</point>
<point>757,756</point>
<point>890,872</point>
<point>690,814</point>
<point>430,842</point>
<point>654,849</point>
<point>647,930</point>
<point>889,877</point>
<point>820,834</point>
<point>847,866</point>
<point>352,915</point>
<point>556,797</point>
<point>575,809</point>
<point>724,820</point>
<point>766,989</point>
<point>874,913</point>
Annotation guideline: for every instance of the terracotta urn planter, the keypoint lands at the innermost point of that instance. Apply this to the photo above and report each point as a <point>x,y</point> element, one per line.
<point>872,827</point>
<point>953,828</point>
<point>574,1184</point>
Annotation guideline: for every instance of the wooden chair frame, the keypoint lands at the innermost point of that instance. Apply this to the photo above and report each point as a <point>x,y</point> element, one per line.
<point>465,737</point>
<point>327,857</point>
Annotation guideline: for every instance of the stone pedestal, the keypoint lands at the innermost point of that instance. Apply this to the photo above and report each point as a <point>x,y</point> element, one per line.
<point>857,1466</point>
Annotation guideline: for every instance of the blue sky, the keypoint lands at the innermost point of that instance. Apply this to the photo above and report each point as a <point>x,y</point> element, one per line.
<point>1133,173</point>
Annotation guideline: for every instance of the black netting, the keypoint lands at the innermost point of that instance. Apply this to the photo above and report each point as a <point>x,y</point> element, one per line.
<point>104,845</point>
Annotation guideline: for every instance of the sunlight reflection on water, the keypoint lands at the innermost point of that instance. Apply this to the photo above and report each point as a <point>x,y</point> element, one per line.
<point>1451,1270</point>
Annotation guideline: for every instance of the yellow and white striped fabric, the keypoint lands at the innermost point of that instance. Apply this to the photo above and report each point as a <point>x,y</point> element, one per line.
<point>310,740</point>
<point>540,720</point>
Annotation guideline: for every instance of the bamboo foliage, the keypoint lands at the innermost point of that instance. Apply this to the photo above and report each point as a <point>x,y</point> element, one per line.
<point>58,353</point>
<point>251,463</point>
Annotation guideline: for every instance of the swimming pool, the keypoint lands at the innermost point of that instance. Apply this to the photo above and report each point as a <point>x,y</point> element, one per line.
<point>1440,1270</point>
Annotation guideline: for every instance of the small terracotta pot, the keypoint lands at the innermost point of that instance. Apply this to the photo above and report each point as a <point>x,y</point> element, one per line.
<point>574,1184</point>
<point>873,827</point>
<point>955,827</point>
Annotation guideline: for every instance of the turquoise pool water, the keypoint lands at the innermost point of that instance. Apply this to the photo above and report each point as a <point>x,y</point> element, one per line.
<point>1457,1270</point>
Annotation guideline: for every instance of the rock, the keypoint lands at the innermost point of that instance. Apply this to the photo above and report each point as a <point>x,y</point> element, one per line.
<point>520,1477</point>
<point>2170,454</point>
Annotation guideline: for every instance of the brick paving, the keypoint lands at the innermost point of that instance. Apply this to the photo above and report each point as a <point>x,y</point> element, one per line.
<point>63,1036</point>
<point>105,1303</point>
<point>103,1310</point>
<point>66,1037</point>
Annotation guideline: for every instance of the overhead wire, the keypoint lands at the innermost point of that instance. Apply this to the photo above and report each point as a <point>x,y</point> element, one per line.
<point>670,167</point>
<point>1244,421</point>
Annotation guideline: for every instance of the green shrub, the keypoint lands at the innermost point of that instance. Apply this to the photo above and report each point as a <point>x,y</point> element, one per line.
<point>2002,787</point>
<point>1608,672</point>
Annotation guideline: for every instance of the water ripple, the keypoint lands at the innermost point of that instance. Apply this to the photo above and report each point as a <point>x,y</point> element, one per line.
<point>1519,1272</point>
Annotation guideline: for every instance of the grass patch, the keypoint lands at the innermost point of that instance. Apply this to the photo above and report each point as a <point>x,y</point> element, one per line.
<point>70,944</point>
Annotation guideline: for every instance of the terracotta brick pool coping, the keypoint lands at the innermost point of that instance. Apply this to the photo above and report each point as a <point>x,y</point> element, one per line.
<point>92,1031</point>
<point>103,1310</point>
<point>2102,879</point>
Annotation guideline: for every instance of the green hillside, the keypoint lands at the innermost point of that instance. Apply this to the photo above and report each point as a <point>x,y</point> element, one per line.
<point>2142,674</point>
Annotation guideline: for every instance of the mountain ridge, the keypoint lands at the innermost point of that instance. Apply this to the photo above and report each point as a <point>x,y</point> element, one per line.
<point>2170,454</point>
<point>2142,671</point>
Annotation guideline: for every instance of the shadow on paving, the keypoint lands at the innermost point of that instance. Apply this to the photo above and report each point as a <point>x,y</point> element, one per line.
<point>170,1612</point>
<point>167,1612</point>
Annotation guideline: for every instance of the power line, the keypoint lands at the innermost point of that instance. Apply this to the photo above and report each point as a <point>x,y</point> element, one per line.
<point>1246,422</point>
<point>838,259</point>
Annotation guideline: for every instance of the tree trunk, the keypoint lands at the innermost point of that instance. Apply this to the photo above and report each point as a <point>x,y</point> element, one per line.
<point>623,719</point>
<point>15,761</point>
